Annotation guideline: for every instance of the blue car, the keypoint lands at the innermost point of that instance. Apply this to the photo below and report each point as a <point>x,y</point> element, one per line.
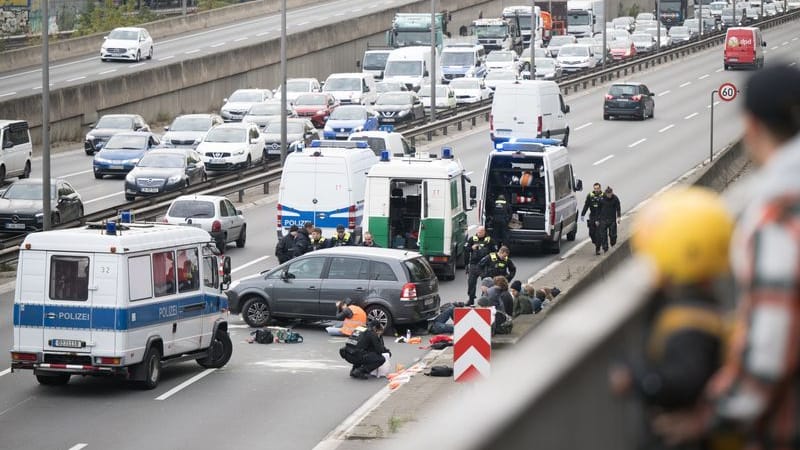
<point>122,152</point>
<point>348,119</point>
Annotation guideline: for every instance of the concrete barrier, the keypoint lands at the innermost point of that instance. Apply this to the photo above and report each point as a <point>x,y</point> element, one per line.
<point>200,84</point>
<point>69,48</point>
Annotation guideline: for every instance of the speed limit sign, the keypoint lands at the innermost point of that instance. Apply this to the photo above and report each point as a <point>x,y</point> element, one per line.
<point>727,92</point>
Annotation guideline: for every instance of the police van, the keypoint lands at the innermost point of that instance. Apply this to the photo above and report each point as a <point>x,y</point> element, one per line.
<point>324,184</point>
<point>419,202</point>
<point>108,299</point>
<point>536,179</point>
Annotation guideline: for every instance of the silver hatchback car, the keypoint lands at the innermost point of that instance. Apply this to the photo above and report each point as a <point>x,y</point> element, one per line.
<point>215,214</point>
<point>393,287</point>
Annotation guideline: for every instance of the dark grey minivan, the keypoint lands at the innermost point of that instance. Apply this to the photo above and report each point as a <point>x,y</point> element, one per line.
<point>393,286</point>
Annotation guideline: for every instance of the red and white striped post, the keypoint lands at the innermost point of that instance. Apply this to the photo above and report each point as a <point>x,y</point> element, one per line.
<point>472,346</point>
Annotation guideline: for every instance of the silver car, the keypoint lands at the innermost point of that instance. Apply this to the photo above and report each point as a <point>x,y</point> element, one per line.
<point>189,130</point>
<point>643,42</point>
<point>212,213</point>
<point>262,114</point>
<point>547,69</point>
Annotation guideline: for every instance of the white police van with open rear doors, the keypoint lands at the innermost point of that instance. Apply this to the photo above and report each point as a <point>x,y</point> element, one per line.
<point>108,299</point>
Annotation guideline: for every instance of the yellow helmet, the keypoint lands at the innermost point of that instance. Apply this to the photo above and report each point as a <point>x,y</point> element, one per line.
<point>686,232</point>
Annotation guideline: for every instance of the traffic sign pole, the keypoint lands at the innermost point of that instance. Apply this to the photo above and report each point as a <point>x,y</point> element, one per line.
<point>727,92</point>
<point>711,143</point>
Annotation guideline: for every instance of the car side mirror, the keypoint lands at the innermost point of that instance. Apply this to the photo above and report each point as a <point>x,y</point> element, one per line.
<point>239,212</point>
<point>652,94</point>
<point>105,38</point>
<point>764,44</point>
<point>566,109</point>
<point>166,128</point>
<point>225,100</point>
<point>579,185</point>
<point>358,64</point>
<point>286,276</point>
<point>425,74</point>
<point>473,192</point>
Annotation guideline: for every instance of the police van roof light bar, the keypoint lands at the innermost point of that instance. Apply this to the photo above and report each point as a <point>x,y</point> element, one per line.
<point>328,143</point>
<point>385,155</point>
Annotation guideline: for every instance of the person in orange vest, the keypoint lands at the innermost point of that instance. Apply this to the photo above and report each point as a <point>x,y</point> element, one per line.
<point>351,316</point>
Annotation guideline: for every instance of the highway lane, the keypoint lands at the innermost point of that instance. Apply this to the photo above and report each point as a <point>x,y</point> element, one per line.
<point>92,411</point>
<point>88,67</point>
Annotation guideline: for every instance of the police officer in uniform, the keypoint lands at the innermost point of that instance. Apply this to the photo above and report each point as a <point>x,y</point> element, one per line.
<point>285,247</point>
<point>498,263</point>
<point>500,218</point>
<point>475,249</point>
<point>607,220</point>
<point>318,241</point>
<point>592,205</point>
<point>341,237</point>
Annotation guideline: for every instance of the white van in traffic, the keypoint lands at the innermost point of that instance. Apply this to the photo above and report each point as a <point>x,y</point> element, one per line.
<point>536,179</point>
<point>410,65</point>
<point>15,156</point>
<point>351,88</point>
<point>544,114</point>
<point>118,300</point>
<point>324,184</point>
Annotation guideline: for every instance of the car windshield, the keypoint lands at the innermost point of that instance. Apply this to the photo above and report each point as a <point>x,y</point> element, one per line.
<point>122,142</point>
<point>717,6</point>
<point>229,135</point>
<point>538,52</point>
<point>195,209</point>
<point>389,86</point>
<point>620,22</point>
<point>502,75</point>
<point>342,84</point>
<point>124,35</point>
<point>298,86</point>
<point>561,40</point>
<point>115,123</point>
<point>544,63</point>
<point>678,31</point>
<point>190,124</point>
<point>425,91</point>
<point>377,144</point>
<point>375,61</point>
<point>164,160</point>
<point>727,11</point>
<point>500,56</point>
<point>394,98</point>
<point>27,191</point>
<point>578,18</point>
<point>458,59</point>
<point>291,128</point>
<point>246,96</point>
<point>620,44</point>
<point>577,50</point>
<point>265,109</point>
<point>403,68</point>
<point>620,90</point>
<point>418,270</point>
<point>349,114</point>
<point>491,31</point>
<point>310,100</point>
<point>642,38</point>
<point>466,83</point>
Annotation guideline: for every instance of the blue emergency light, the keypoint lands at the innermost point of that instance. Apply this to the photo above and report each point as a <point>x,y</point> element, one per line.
<point>329,143</point>
<point>111,228</point>
<point>126,217</point>
<point>385,155</point>
<point>447,152</point>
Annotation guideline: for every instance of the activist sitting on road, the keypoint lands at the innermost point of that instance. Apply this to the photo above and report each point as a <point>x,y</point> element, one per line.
<point>351,316</point>
<point>365,349</point>
<point>500,290</point>
<point>522,303</point>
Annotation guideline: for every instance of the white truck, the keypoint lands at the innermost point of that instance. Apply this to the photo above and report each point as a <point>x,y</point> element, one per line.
<point>585,17</point>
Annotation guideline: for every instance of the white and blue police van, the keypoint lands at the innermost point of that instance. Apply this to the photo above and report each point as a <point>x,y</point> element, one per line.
<point>119,299</point>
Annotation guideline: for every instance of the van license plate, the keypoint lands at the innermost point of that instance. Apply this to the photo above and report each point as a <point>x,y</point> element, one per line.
<point>15,226</point>
<point>150,190</point>
<point>67,343</point>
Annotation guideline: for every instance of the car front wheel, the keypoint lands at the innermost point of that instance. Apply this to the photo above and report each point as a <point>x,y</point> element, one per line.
<point>256,312</point>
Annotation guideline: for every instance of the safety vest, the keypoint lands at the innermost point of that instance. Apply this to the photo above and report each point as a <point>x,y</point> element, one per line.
<point>359,319</point>
<point>594,200</point>
<point>499,203</point>
<point>498,263</point>
<point>345,238</point>
<point>479,241</point>
<point>319,243</point>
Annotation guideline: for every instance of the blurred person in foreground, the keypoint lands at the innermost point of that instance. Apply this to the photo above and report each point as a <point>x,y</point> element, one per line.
<point>684,234</point>
<point>756,391</point>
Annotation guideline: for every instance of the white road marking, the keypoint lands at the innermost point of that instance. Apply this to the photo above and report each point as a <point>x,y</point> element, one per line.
<point>257,260</point>
<point>637,142</point>
<point>597,163</point>
<point>338,14</point>
<point>263,33</point>
<point>7,94</point>
<point>193,51</point>
<point>785,43</point>
<point>166,58</point>
<point>76,173</point>
<point>185,384</point>
<point>690,116</point>
<point>703,77</point>
<point>794,39</point>
<point>5,372</point>
<point>664,93</point>
<point>301,24</point>
<point>28,72</point>
<point>358,10</point>
<point>666,128</point>
<point>774,48</point>
<point>76,79</point>
<point>685,84</point>
<point>102,198</point>
<point>374,5</point>
<point>105,72</point>
<point>237,326</point>
<point>583,126</point>
<point>719,70</point>
<point>18,404</point>
<point>136,65</point>
<point>709,106</point>
<point>220,44</point>
<point>78,446</point>
<point>241,39</point>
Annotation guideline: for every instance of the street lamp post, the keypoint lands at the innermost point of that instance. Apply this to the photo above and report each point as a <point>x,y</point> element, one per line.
<point>605,32</point>
<point>433,60</point>
<point>46,207</point>
<point>533,39</point>
<point>658,23</point>
<point>284,148</point>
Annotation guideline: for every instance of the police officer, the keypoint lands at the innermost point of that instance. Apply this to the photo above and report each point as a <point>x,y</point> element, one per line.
<point>285,245</point>
<point>607,221</point>
<point>500,218</point>
<point>592,205</point>
<point>341,237</point>
<point>302,241</point>
<point>498,263</point>
<point>475,249</point>
<point>318,241</point>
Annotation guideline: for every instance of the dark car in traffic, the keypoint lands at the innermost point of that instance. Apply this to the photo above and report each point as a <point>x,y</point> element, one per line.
<point>398,107</point>
<point>298,131</point>
<point>164,170</point>
<point>393,287</point>
<point>122,152</point>
<point>109,125</point>
<point>629,100</point>
<point>21,205</point>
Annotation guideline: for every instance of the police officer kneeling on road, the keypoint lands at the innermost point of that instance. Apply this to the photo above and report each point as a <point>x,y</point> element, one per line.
<point>475,249</point>
<point>364,350</point>
<point>498,263</point>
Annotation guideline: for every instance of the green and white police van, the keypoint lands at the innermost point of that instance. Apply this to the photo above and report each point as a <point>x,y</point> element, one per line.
<point>420,203</point>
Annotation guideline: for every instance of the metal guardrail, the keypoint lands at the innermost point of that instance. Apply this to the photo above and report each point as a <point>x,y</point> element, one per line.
<point>264,174</point>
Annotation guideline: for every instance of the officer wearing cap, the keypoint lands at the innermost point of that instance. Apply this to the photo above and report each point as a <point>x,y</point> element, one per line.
<point>285,247</point>
<point>302,240</point>
<point>341,237</point>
